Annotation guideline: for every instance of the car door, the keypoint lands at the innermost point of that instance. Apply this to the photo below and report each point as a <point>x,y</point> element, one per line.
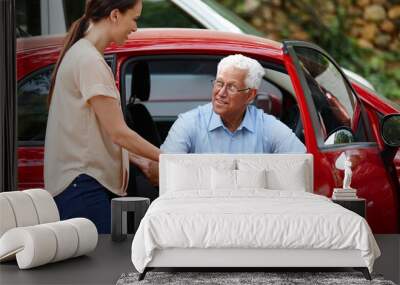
<point>336,124</point>
<point>32,95</point>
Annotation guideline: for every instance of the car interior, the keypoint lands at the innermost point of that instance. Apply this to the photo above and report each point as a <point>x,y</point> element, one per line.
<point>158,89</point>
<point>171,85</point>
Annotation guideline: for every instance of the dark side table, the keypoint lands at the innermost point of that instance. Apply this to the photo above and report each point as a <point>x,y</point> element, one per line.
<point>357,205</point>
<point>119,208</point>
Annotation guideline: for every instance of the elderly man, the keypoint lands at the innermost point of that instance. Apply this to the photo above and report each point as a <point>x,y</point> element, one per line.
<point>228,124</point>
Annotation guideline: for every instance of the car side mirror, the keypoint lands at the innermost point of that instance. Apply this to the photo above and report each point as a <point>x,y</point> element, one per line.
<point>339,136</point>
<point>390,130</point>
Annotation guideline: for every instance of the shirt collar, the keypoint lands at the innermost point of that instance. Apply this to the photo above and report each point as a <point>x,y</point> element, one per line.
<point>216,122</point>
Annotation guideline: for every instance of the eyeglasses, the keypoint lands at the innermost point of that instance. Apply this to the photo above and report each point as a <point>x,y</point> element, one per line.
<point>230,88</point>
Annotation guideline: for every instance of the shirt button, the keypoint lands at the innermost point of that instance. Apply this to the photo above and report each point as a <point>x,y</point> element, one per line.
<point>74,185</point>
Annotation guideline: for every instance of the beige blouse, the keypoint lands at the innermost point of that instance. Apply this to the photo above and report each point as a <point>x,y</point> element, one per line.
<point>75,141</point>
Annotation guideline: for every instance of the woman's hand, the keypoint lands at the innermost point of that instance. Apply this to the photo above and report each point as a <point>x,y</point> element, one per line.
<point>147,166</point>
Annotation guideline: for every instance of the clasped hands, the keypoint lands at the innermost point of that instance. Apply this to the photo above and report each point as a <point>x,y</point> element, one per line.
<point>147,166</point>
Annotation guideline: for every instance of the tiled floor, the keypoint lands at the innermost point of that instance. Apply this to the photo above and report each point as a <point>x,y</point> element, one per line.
<point>110,260</point>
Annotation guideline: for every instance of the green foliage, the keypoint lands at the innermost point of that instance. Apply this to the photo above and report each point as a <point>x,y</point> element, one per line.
<point>236,5</point>
<point>386,80</point>
<point>164,14</point>
<point>372,64</point>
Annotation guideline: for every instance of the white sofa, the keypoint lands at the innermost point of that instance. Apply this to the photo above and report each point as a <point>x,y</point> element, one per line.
<point>31,231</point>
<point>274,223</point>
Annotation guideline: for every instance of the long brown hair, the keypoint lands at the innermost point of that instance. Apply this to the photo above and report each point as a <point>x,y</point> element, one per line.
<point>95,10</point>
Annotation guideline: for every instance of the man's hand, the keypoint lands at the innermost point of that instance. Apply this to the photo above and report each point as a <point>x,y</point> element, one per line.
<point>148,167</point>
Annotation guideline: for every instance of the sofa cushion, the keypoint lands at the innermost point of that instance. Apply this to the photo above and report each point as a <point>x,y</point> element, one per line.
<point>7,215</point>
<point>45,206</point>
<point>40,244</point>
<point>31,232</point>
<point>23,208</point>
<point>27,208</point>
<point>67,240</point>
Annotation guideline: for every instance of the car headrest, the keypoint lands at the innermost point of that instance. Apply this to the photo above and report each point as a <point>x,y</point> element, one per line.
<point>140,82</point>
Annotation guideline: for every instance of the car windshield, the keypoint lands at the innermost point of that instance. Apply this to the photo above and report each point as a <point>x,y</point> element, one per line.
<point>233,18</point>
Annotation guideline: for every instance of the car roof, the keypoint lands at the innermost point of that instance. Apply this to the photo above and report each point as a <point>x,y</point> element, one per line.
<point>158,36</point>
<point>39,42</point>
<point>150,39</point>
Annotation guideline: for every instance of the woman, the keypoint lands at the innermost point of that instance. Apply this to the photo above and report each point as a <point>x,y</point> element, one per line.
<point>87,140</point>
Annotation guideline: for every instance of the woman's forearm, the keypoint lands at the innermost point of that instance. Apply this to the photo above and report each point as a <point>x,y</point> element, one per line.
<point>111,119</point>
<point>134,143</point>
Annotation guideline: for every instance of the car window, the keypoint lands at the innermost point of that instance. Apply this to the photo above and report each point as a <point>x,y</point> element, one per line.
<point>163,13</point>
<point>177,85</point>
<point>181,83</point>
<point>28,18</point>
<point>32,106</point>
<point>73,10</point>
<point>336,105</point>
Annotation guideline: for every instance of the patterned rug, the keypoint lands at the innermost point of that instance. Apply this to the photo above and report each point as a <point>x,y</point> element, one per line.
<point>243,278</point>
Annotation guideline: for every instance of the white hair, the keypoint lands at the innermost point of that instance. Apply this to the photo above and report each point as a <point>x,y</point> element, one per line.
<point>255,71</point>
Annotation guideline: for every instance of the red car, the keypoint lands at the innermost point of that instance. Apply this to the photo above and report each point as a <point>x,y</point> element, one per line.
<point>163,72</point>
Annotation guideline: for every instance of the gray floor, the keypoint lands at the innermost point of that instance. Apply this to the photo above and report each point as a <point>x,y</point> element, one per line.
<point>103,266</point>
<point>106,264</point>
<point>389,262</point>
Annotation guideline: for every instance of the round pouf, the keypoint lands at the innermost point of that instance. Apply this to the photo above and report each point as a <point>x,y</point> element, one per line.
<point>119,208</point>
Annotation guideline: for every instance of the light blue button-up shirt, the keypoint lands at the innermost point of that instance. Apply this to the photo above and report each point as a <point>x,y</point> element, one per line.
<point>202,131</point>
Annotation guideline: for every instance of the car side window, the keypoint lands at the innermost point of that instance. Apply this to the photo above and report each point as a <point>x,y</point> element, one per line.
<point>32,106</point>
<point>177,85</point>
<point>163,13</point>
<point>339,113</point>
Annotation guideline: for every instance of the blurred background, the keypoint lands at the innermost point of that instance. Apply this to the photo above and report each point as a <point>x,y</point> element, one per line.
<point>362,35</point>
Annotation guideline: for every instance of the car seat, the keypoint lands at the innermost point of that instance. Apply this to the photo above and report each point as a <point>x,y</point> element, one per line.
<point>138,116</point>
<point>139,119</point>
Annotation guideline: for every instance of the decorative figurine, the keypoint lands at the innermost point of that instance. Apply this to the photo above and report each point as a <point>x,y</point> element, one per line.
<point>347,174</point>
<point>343,162</point>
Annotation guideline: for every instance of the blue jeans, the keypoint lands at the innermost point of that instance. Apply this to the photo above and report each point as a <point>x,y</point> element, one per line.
<point>86,198</point>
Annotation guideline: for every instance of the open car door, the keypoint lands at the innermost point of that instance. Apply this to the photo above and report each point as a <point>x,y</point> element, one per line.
<point>336,124</point>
